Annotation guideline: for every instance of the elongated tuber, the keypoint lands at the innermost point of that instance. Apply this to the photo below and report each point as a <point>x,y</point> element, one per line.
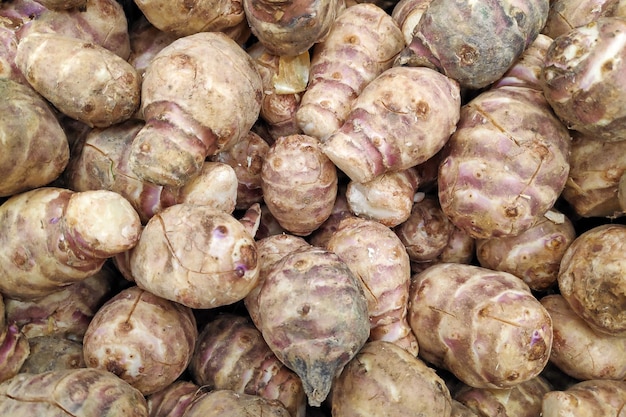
<point>401,118</point>
<point>77,232</point>
<point>361,44</point>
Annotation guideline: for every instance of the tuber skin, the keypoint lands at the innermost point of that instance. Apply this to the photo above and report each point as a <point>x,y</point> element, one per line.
<point>375,255</point>
<point>8,50</point>
<point>401,118</point>
<point>270,250</point>
<point>284,81</point>
<point>144,339</point>
<point>82,392</point>
<point>407,14</point>
<point>521,400</point>
<point>564,15</point>
<point>53,353</point>
<point>172,400</point>
<point>461,249</point>
<point>62,4</point>
<point>591,278</point>
<point>197,256</point>
<point>582,78</point>
<point>14,351</point>
<point>299,183</point>
<point>301,323</point>
<point>340,211</point>
<point>78,232</point>
<point>65,313</point>
<point>474,43</point>
<point>579,351</point>
<point>290,27</point>
<point>101,22</point>
<point>586,399</point>
<point>199,112</point>
<point>534,255</point>
<point>384,379</point>
<point>146,40</point>
<point>485,326</point>
<point>246,158</point>
<point>596,167</point>
<point>182,18</point>
<point>388,198</point>
<point>85,81</point>
<point>100,162</point>
<point>515,168</point>
<point>228,403</point>
<point>426,232</point>
<point>35,147</point>
<point>231,354</point>
<point>362,43</point>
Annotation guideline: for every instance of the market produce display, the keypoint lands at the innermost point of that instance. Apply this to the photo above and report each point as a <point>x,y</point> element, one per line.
<point>323,208</point>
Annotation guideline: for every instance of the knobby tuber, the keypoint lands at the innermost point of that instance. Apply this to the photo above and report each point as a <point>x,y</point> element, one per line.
<point>586,399</point>
<point>484,326</point>
<point>299,183</point>
<point>384,379</point>
<point>583,78</point>
<point>376,255</point>
<point>231,354</point>
<point>85,81</point>
<point>144,339</point>
<point>578,350</point>
<point>475,43</point>
<point>291,27</point>
<point>182,18</point>
<point>591,278</point>
<point>515,168</point>
<point>360,45</point>
<point>101,22</point>
<point>301,322</point>
<point>228,403</point>
<point>65,313</point>
<point>197,113</point>
<point>99,161</point>
<point>388,198</point>
<point>35,150</point>
<point>534,255</point>
<point>82,392</point>
<point>521,400</point>
<point>401,118</point>
<point>52,353</point>
<point>246,158</point>
<point>172,400</point>
<point>77,232</point>
<point>195,255</point>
